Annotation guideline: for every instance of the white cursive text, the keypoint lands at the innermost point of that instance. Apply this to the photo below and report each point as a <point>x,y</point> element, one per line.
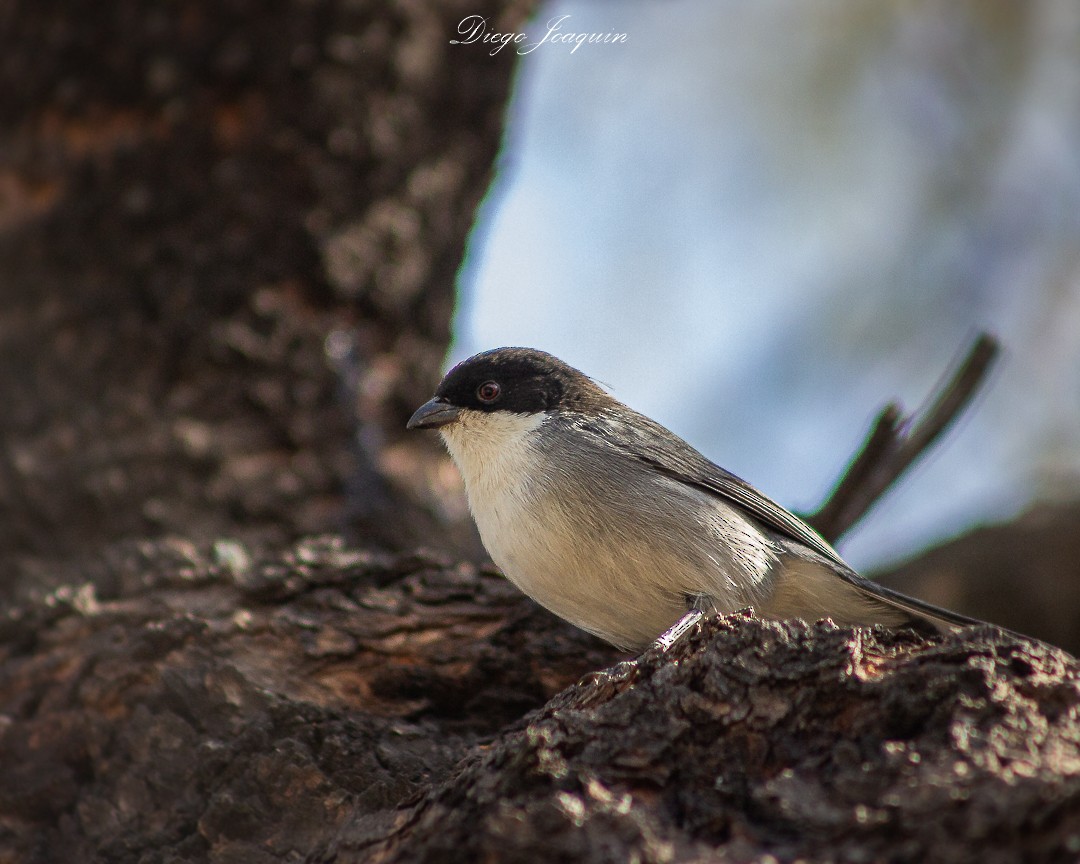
<point>474,29</point>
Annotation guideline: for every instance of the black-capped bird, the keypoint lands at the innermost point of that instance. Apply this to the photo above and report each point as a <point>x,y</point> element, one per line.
<point>619,526</point>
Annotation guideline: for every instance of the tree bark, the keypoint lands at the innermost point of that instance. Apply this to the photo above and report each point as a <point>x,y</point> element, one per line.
<point>330,704</point>
<point>229,234</point>
<point>219,706</point>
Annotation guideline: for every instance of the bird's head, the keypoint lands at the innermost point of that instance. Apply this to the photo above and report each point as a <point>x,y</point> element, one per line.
<point>507,381</point>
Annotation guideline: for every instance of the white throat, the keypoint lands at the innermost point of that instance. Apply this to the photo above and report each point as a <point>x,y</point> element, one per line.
<point>495,453</point>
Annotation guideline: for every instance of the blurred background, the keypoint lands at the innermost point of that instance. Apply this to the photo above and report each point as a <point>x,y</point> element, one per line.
<point>757,222</point>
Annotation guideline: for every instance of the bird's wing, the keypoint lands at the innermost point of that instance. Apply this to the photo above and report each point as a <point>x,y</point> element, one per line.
<point>663,451</point>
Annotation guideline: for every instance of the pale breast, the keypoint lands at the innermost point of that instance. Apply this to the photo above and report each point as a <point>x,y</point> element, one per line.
<point>609,545</point>
<point>500,465</point>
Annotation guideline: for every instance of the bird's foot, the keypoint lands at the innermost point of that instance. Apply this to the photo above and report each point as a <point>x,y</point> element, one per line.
<point>666,640</point>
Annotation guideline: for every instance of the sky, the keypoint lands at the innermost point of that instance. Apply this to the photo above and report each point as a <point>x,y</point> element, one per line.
<point>757,223</point>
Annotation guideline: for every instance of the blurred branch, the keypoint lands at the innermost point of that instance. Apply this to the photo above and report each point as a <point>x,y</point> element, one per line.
<point>895,442</point>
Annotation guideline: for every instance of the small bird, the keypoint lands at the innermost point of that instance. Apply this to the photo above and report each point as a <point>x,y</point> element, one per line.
<point>617,525</point>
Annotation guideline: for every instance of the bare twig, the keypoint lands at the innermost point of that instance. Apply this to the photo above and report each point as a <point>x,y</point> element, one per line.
<point>895,442</point>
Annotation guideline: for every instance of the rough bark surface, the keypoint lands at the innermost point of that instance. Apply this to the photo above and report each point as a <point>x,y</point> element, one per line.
<point>328,704</point>
<point>201,704</point>
<point>763,739</point>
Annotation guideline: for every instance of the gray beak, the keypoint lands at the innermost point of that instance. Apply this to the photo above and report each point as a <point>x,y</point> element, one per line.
<point>433,414</point>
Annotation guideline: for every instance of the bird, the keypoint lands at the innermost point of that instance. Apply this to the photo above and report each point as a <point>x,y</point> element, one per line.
<point>615,524</point>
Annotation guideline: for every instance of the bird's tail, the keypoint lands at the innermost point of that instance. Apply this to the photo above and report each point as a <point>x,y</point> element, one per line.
<point>813,588</point>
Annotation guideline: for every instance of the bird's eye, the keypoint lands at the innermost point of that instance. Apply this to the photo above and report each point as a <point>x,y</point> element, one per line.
<point>488,392</point>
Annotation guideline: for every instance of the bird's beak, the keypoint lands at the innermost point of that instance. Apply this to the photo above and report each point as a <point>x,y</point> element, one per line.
<point>433,414</point>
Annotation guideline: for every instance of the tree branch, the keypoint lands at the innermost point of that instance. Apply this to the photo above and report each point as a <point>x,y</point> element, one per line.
<point>895,442</point>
